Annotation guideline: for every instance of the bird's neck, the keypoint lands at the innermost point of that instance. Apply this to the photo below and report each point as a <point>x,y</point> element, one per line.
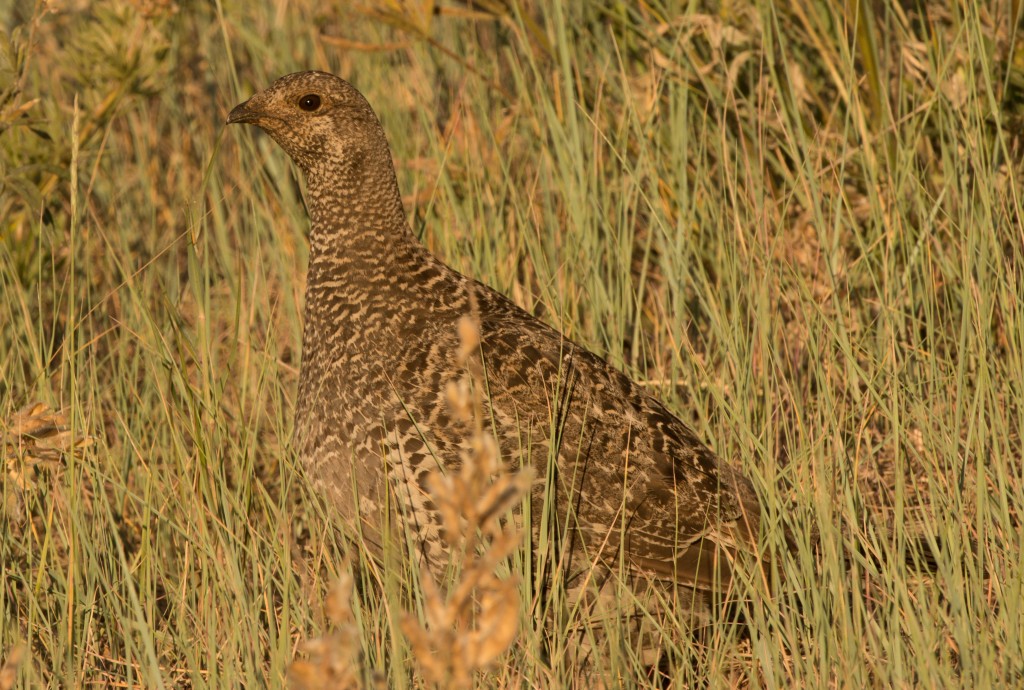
<point>364,260</point>
<point>357,217</point>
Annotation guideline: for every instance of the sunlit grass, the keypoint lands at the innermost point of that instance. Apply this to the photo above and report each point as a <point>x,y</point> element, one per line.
<point>801,229</point>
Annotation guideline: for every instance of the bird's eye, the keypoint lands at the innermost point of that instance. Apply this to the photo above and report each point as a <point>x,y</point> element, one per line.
<point>309,102</point>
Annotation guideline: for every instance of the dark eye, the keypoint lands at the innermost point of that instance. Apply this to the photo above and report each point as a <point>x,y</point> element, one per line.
<point>309,102</point>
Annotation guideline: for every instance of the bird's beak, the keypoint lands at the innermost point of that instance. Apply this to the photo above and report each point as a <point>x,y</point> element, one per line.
<point>241,113</point>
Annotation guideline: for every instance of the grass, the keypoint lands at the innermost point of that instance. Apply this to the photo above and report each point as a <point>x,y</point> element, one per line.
<point>798,226</point>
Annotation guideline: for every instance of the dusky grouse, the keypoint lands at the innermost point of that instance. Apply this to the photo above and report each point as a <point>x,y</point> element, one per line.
<point>379,347</point>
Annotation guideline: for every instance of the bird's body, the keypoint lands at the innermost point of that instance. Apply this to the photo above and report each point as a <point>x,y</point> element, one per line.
<point>633,484</point>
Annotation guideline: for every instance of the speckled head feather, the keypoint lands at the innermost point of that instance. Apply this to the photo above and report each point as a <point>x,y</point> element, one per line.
<point>316,117</point>
<point>630,481</point>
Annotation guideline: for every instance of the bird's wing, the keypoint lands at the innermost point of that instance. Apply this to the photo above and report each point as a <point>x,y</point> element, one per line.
<point>642,484</point>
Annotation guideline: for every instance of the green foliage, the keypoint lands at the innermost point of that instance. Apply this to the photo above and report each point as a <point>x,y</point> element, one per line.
<point>797,223</point>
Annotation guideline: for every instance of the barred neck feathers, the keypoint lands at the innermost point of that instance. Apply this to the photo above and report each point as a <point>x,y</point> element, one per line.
<point>356,207</point>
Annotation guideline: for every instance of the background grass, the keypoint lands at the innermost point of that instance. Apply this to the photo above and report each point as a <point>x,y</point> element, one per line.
<point>799,224</point>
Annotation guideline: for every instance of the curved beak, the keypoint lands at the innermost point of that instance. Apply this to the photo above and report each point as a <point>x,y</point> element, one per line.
<point>241,113</point>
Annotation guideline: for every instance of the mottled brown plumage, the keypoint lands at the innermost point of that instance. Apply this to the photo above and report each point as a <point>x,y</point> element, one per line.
<point>632,481</point>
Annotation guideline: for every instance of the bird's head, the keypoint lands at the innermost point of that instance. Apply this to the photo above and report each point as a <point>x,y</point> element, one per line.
<point>318,119</point>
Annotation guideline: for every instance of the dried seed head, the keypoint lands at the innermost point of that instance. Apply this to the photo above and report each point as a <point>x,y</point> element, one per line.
<point>32,439</point>
<point>469,338</point>
<point>460,400</point>
<point>9,669</point>
<point>467,629</point>
<point>36,434</point>
<point>333,660</point>
<point>497,623</point>
<point>339,600</point>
